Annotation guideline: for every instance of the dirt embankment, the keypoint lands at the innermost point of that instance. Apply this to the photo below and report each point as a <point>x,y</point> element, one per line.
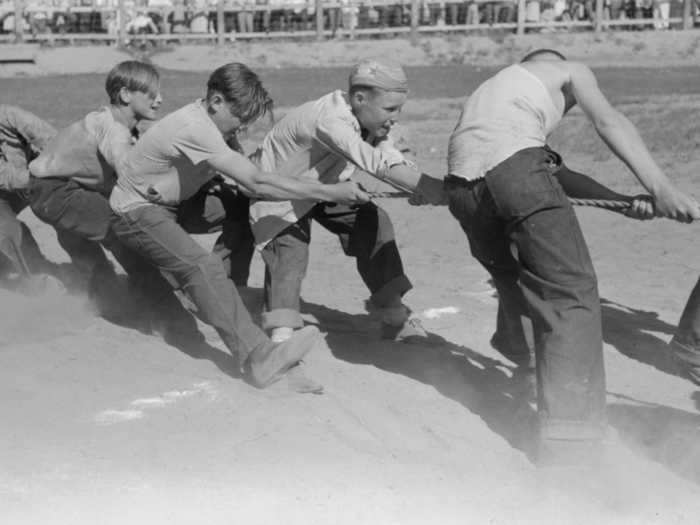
<point>637,48</point>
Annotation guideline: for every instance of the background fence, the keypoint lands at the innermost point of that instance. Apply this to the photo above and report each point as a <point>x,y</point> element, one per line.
<point>126,21</point>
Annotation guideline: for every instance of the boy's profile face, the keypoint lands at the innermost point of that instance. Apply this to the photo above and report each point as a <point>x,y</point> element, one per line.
<point>144,105</point>
<point>377,110</point>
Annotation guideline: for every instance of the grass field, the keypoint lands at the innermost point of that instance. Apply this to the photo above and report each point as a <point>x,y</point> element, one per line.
<point>102,424</point>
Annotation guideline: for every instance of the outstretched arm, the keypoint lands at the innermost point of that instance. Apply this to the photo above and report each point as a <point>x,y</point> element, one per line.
<point>624,140</point>
<point>579,186</point>
<point>386,164</point>
<point>274,186</point>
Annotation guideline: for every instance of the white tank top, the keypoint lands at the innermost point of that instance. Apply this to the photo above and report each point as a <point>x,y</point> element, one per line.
<point>511,111</point>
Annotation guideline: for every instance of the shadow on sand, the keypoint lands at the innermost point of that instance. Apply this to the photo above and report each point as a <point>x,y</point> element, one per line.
<point>627,329</point>
<point>485,386</point>
<point>666,435</point>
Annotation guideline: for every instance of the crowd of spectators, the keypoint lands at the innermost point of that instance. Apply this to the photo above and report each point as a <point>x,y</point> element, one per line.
<point>339,16</point>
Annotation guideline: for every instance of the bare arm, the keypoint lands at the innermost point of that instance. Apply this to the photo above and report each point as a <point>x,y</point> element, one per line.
<point>580,186</point>
<point>386,164</point>
<point>624,140</point>
<point>274,186</point>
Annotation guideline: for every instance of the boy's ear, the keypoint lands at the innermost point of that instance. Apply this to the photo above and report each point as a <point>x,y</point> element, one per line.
<point>216,99</point>
<point>359,97</point>
<point>215,102</point>
<point>124,96</point>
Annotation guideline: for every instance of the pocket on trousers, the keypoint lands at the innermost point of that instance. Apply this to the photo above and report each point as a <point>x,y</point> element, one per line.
<point>524,184</point>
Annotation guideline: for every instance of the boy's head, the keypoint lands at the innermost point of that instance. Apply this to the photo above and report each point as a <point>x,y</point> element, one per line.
<point>236,98</point>
<point>137,85</point>
<point>378,90</point>
<point>543,55</point>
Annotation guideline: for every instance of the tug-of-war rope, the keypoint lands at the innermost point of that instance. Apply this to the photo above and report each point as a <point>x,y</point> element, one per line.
<point>608,204</point>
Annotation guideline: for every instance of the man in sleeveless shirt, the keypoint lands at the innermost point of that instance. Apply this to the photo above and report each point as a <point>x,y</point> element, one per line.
<point>502,188</point>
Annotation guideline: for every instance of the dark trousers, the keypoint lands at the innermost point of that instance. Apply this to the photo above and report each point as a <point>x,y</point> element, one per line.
<point>82,219</point>
<point>154,233</point>
<point>219,208</point>
<point>365,233</point>
<point>523,230</point>
<point>686,345</point>
<point>17,244</point>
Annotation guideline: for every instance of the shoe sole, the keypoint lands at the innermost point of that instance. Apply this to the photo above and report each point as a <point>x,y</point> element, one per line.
<point>288,354</point>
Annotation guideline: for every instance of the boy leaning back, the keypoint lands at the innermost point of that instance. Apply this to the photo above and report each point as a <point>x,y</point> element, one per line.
<point>73,177</point>
<point>170,163</point>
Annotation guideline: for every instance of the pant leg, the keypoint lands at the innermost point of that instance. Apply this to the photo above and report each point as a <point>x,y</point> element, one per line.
<point>219,207</point>
<point>472,205</point>
<point>81,218</point>
<point>286,259</point>
<point>559,284</point>
<point>65,204</point>
<point>366,233</point>
<point>152,232</point>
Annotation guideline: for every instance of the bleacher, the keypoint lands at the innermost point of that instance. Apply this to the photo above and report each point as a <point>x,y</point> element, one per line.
<point>200,19</point>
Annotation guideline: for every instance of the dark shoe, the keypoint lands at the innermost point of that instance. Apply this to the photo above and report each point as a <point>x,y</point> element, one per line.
<point>269,363</point>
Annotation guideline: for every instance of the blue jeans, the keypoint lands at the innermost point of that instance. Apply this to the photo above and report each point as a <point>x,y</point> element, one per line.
<point>153,232</point>
<point>523,230</point>
<point>686,342</point>
<point>365,233</point>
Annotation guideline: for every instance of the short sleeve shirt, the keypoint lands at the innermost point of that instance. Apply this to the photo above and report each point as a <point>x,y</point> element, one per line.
<point>87,151</point>
<point>169,162</point>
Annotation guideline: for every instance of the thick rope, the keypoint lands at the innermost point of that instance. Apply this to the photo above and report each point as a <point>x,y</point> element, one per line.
<point>613,205</point>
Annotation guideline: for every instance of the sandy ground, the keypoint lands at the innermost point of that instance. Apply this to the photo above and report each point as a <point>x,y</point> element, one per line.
<point>103,424</point>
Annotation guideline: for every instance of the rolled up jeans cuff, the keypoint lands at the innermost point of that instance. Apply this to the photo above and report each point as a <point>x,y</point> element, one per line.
<point>281,317</point>
<point>396,287</point>
<point>571,430</point>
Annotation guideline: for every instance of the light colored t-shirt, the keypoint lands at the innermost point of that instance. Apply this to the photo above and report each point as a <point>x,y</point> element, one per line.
<point>511,111</point>
<point>22,137</point>
<point>328,137</point>
<point>87,151</point>
<point>169,162</point>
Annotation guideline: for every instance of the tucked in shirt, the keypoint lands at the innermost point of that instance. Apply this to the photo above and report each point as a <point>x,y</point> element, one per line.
<point>327,137</point>
<point>22,137</point>
<point>169,162</point>
<point>511,111</point>
<point>87,151</point>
